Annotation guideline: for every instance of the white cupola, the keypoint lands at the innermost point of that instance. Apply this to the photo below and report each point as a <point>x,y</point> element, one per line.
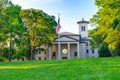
<point>83,27</point>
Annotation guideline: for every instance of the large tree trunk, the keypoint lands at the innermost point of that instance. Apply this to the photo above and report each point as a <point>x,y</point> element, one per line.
<point>28,53</point>
<point>32,53</point>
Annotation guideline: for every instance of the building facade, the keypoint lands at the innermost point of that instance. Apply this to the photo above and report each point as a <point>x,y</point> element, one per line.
<point>69,45</point>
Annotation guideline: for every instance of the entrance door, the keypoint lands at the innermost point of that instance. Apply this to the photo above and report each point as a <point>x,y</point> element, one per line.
<point>54,55</point>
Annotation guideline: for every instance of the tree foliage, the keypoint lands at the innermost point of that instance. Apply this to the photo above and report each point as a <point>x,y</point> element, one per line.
<point>40,29</point>
<point>24,31</point>
<point>107,20</point>
<point>104,50</point>
<point>11,25</point>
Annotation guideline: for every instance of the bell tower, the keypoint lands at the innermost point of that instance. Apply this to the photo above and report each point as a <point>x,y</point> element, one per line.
<point>83,27</point>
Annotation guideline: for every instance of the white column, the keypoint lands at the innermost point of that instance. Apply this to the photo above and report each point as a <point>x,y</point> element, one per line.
<point>78,50</point>
<point>59,50</point>
<point>68,50</point>
<point>50,52</point>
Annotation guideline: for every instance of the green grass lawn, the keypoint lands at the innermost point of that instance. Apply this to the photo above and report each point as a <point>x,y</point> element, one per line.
<point>74,69</point>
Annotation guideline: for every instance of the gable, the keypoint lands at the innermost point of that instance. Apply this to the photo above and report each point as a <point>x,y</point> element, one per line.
<point>67,39</point>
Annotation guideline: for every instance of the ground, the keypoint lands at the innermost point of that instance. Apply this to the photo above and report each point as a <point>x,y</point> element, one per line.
<point>73,69</point>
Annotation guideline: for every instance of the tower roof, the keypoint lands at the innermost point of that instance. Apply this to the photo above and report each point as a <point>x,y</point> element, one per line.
<point>82,21</point>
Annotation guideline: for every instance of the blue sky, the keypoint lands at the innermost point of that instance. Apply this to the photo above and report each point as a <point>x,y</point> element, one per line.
<point>70,11</point>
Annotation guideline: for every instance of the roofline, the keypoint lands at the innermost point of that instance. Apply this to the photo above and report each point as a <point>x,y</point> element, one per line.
<point>82,22</point>
<point>71,35</point>
<point>67,37</point>
<point>65,41</point>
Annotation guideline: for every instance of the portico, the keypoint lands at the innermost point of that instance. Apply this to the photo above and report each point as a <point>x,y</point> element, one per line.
<point>65,47</point>
<point>64,50</point>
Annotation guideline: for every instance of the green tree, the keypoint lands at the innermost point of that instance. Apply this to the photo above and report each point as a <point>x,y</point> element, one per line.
<point>21,37</point>
<point>3,4</point>
<point>12,26</point>
<point>104,50</point>
<point>107,21</point>
<point>97,42</point>
<point>40,29</point>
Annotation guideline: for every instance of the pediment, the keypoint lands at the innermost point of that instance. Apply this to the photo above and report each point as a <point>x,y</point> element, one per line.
<point>66,39</point>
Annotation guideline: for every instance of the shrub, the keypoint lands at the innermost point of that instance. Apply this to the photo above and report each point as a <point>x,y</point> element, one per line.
<point>3,59</point>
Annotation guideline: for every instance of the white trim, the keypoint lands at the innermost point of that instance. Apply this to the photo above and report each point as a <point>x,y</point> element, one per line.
<point>59,50</point>
<point>78,50</point>
<point>65,42</point>
<point>68,50</point>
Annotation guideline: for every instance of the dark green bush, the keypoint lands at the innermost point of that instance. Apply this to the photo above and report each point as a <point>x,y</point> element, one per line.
<point>3,59</point>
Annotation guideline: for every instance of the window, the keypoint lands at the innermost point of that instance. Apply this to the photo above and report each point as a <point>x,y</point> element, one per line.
<point>75,53</point>
<point>45,52</point>
<point>93,51</point>
<point>39,58</point>
<point>87,51</point>
<point>87,44</point>
<point>83,28</point>
<point>39,52</point>
<point>64,51</point>
<point>45,58</point>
